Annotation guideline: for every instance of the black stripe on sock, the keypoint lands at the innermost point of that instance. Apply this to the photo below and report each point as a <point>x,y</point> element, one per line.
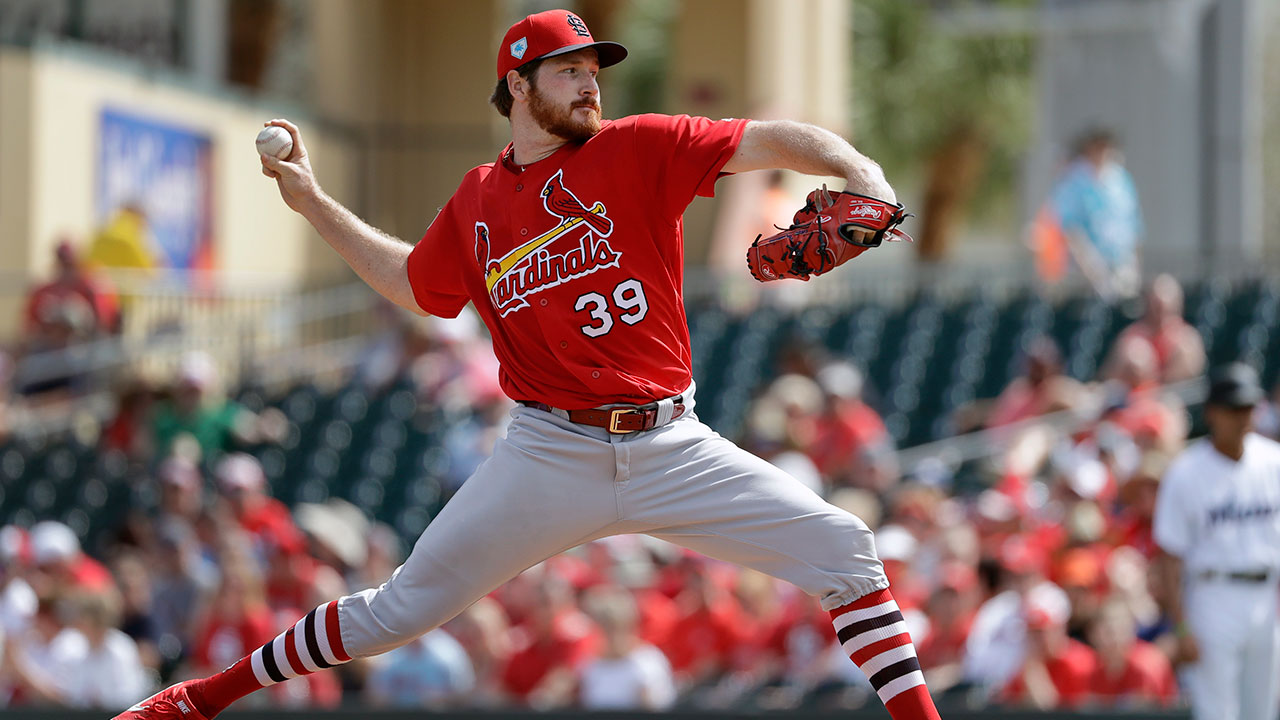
<point>269,662</point>
<point>893,672</point>
<point>862,626</point>
<point>313,645</point>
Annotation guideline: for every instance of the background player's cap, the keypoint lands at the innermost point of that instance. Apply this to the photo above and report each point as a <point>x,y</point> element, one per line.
<point>550,33</point>
<point>1234,385</point>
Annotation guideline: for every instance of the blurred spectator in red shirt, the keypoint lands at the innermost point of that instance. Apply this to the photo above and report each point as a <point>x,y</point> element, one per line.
<point>766,616</point>
<point>896,548</point>
<point>1132,526</point>
<point>550,646</point>
<point>236,622</point>
<point>1178,347</point>
<point>705,639</point>
<point>658,615</point>
<point>846,429</point>
<point>1130,673</point>
<point>6,395</point>
<point>1042,389</point>
<point>337,534</point>
<point>181,491</point>
<point>483,632</point>
<point>71,285</point>
<point>129,431</point>
<point>626,672</point>
<point>950,609</point>
<point>997,644</point>
<point>60,314</point>
<point>1056,670</point>
<point>137,617</point>
<point>1135,403</point>
<point>457,364</point>
<point>1079,572</point>
<point>266,519</point>
<point>61,566</point>
<point>782,424</point>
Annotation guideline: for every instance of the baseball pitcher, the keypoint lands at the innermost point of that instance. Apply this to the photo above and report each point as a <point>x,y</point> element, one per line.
<point>570,247</point>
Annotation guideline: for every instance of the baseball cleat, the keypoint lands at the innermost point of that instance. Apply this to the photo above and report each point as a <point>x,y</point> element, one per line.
<point>173,703</point>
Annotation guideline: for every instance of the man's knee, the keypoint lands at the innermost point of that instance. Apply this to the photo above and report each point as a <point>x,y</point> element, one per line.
<point>373,622</point>
<point>858,569</point>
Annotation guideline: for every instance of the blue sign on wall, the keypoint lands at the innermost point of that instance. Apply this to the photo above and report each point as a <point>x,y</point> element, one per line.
<point>167,171</point>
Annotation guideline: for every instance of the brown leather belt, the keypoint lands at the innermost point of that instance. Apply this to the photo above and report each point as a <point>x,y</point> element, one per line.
<point>619,420</point>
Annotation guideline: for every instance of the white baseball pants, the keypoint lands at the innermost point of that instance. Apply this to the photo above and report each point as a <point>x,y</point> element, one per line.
<point>551,485</point>
<point>1238,673</point>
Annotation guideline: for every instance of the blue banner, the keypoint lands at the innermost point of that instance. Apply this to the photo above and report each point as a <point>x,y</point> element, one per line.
<point>166,171</point>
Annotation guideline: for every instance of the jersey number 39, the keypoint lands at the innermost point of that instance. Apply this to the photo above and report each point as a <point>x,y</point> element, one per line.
<point>628,297</point>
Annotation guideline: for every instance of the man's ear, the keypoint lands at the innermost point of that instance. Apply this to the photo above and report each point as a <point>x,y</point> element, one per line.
<point>517,85</point>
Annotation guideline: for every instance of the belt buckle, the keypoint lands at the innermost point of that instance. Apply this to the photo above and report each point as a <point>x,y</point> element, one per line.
<point>615,416</point>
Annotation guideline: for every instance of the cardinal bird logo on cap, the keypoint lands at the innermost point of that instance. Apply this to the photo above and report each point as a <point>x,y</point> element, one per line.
<point>561,202</point>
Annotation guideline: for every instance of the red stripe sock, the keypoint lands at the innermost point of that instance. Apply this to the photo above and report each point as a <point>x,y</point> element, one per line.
<point>872,632</point>
<point>313,643</point>
<point>213,694</point>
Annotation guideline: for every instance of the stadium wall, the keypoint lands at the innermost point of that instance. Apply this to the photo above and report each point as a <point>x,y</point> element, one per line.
<point>50,140</point>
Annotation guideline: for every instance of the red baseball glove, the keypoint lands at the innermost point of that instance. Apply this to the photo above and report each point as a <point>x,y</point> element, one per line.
<point>830,230</point>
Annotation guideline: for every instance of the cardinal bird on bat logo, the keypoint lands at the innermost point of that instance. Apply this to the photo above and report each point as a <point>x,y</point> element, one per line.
<point>576,246</point>
<point>561,202</point>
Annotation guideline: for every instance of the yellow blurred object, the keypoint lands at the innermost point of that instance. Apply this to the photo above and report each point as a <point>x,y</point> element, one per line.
<point>122,243</point>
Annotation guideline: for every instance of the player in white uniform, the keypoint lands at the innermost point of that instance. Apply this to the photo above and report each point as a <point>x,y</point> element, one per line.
<point>1218,519</point>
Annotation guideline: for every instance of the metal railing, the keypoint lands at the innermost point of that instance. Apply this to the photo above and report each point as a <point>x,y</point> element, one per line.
<point>980,444</point>
<point>251,327</point>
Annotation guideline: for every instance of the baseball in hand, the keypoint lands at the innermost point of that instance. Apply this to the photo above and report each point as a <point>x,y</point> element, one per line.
<point>275,141</point>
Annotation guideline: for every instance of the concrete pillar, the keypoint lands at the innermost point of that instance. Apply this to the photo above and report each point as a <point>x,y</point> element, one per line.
<point>762,59</point>
<point>408,82</point>
<point>205,35</point>
<point>1133,68</point>
<point>16,166</point>
<point>1232,102</point>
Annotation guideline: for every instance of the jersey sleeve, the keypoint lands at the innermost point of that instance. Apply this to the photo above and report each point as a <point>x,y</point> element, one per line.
<point>1173,525</point>
<point>434,267</point>
<point>681,156</point>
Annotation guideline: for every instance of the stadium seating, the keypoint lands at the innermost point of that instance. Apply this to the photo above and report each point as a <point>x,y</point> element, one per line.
<point>923,358</point>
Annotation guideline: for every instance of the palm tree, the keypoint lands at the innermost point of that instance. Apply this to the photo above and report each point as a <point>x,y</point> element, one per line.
<point>947,110</point>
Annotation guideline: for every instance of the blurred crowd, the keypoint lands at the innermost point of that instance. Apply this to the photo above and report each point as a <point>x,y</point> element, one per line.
<point>1039,588</point>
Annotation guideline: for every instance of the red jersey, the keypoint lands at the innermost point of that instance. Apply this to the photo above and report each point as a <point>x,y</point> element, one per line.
<point>1146,679</point>
<point>573,639</point>
<point>576,262</point>
<point>1071,672</point>
<point>706,636</point>
<point>223,640</point>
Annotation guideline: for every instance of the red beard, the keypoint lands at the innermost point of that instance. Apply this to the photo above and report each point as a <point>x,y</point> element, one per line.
<point>562,122</point>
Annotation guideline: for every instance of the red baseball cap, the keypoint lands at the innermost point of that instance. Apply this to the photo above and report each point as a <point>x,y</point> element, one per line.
<point>550,33</point>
